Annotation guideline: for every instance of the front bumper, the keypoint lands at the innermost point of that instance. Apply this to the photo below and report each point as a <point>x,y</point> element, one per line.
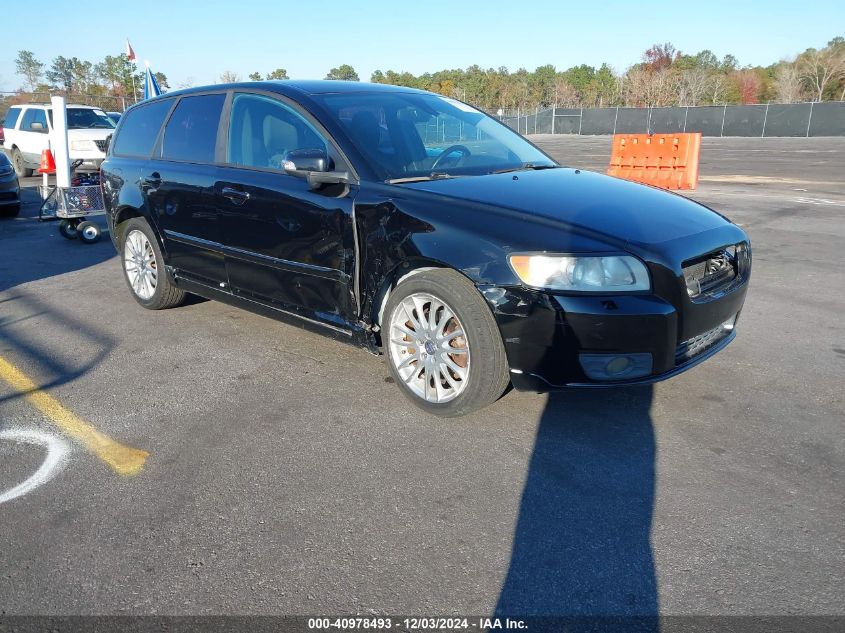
<point>9,191</point>
<point>547,336</point>
<point>89,164</point>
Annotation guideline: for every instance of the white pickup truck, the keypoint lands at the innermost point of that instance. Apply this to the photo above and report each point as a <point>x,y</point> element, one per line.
<point>27,129</point>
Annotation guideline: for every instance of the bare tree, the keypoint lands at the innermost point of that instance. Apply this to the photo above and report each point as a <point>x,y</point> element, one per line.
<point>820,68</point>
<point>229,77</point>
<point>788,83</point>
<point>694,86</point>
<point>718,86</point>
<point>565,94</point>
<point>650,88</point>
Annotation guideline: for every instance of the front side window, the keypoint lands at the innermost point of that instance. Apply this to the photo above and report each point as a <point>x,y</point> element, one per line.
<point>191,132</point>
<point>11,118</point>
<point>407,135</point>
<point>34,115</point>
<point>139,131</point>
<point>262,130</point>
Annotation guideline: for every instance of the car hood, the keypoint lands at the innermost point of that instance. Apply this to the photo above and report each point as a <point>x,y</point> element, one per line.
<point>622,210</point>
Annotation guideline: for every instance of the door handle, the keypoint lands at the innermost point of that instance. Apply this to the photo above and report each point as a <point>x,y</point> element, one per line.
<point>153,180</point>
<point>235,195</point>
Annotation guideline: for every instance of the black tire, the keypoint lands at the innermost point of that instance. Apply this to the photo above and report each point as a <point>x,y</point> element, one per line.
<point>165,295</point>
<point>67,229</point>
<point>10,211</point>
<point>20,168</point>
<point>488,369</point>
<point>88,232</point>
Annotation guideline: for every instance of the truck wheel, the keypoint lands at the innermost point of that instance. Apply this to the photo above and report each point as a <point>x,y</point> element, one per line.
<point>442,345</point>
<point>20,166</point>
<point>143,268</point>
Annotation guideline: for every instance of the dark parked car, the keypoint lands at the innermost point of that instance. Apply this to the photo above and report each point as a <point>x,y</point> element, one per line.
<point>10,189</point>
<point>414,225</point>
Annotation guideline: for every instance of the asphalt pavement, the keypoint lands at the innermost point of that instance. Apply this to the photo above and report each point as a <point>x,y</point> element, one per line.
<point>279,472</point>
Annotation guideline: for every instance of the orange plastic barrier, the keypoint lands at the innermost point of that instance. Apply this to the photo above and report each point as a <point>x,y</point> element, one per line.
<point>669,161</point>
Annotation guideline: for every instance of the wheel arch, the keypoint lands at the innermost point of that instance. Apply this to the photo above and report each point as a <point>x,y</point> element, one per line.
<point>125,212</point>
<point>396,276</point>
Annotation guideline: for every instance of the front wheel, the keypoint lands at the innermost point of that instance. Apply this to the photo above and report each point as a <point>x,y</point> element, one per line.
<point>442,345</point>
<point>10,211</point>
<point>21,169</point>
<point>143,268</point>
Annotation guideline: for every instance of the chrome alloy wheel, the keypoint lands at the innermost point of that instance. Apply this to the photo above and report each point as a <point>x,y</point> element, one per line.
<point>428,348</point>
<point>139,260</point>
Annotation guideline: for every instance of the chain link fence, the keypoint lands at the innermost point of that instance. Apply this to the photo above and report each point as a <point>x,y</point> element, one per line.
<point>109,103</point>
<point>826,118</point>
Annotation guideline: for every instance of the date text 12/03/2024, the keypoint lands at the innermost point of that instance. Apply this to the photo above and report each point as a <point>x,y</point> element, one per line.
<point>415,623</point>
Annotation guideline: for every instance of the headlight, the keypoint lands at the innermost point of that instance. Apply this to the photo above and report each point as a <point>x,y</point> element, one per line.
<point>612,273</point>
<point>83,146</point>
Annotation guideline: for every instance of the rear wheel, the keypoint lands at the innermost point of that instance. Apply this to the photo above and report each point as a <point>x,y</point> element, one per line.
<point>20,166</point>
<point>143,268</point>
<point>442,344</point>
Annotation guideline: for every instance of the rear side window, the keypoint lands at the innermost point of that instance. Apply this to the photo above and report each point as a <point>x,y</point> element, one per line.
<point>11,118</point>
<point>34,115</point>
<point>139,131</point>
<point>191,132</point>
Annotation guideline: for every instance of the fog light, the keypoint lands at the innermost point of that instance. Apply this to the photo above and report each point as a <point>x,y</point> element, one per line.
<point>618,365</point>
<point>693,287</point>
<point>615,366</point>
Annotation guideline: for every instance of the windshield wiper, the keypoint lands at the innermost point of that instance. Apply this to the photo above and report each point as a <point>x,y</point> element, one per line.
<point>523,167</point>
<point>435,175</point>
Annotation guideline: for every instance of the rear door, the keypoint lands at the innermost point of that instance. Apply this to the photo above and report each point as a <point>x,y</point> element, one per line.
<point>285,244</point>
<point>179,187</point>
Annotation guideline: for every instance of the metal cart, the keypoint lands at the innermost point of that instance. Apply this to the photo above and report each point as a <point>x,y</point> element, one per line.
<point>72,206</point>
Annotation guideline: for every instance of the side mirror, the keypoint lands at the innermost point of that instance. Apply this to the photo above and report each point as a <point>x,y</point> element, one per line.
<point>306,160</point>
<point>36,126</point>
<point>313,165</point>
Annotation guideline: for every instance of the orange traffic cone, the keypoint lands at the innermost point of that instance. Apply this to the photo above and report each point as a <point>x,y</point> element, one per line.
<point>48,165</point>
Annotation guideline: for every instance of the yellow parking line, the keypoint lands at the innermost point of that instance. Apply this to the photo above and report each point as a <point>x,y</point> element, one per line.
<point>124,460</point>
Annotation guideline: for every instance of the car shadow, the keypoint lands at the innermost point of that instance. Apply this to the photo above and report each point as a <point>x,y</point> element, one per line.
<point>581,546</point>
<point>31,250</point>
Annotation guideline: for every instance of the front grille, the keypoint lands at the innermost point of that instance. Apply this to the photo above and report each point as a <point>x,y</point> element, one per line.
<point>715,273</point>
<point>101,145</point>
<point>8,195</point>
<point>691,348</point>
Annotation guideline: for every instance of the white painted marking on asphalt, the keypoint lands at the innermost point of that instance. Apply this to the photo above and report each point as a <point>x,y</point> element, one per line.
<point>57,451</point>
<point>821,201</point>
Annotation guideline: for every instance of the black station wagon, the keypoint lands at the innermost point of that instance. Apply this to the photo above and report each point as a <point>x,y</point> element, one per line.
<point>414,225</point>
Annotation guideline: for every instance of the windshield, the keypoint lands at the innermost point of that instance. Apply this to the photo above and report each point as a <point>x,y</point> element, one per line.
<point>85,118</point>
<point>408,135</point>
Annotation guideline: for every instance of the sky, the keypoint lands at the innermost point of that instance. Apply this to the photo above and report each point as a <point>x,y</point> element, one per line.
<point>193,42</point>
